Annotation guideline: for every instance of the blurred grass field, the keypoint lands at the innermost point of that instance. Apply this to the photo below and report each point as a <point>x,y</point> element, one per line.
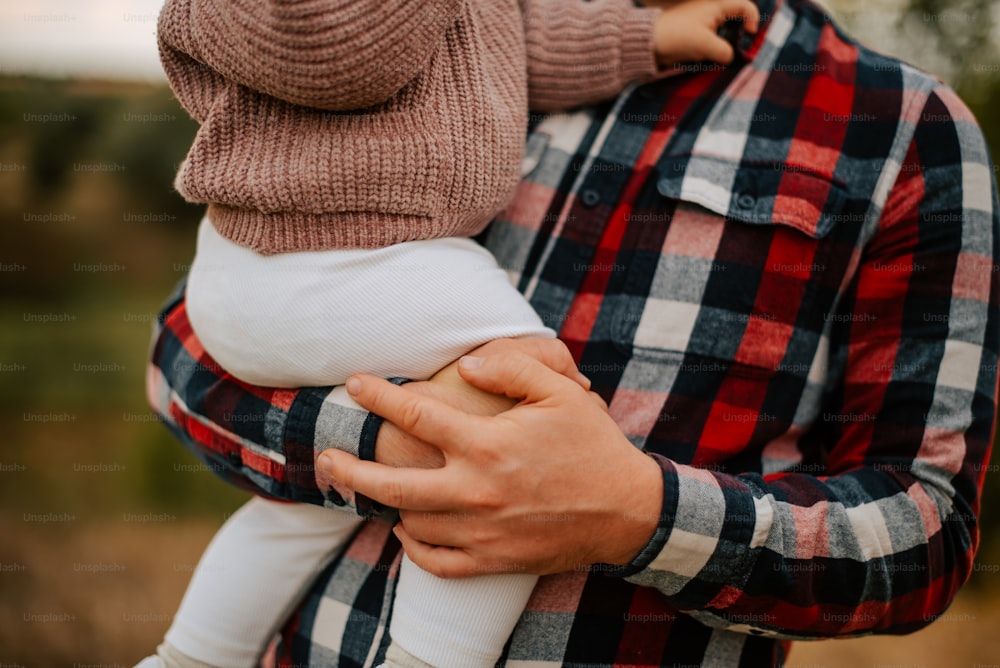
<point>102,514</point>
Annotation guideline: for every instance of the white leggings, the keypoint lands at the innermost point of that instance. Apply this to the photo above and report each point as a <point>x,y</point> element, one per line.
<point>314,318</point>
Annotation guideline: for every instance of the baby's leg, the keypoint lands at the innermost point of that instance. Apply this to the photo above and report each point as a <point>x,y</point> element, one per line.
<point>460,623</point>
<point>250,577</point>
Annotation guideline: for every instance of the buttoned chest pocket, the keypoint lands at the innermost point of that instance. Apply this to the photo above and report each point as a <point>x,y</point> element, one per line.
<point>734,304</point>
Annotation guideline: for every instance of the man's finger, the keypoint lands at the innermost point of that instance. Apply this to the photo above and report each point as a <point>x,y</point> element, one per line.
<point>442,528</point>
<point>553,353</point>
<point>426,418</point>
<point>413,489</point>
<point>444,562</point>
<point>516,375</point>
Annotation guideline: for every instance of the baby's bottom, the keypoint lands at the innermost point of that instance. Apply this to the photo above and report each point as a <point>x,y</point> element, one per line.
<point>314,318</point>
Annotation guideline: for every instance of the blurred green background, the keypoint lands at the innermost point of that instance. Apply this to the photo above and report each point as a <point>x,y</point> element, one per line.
<point>103,514</point>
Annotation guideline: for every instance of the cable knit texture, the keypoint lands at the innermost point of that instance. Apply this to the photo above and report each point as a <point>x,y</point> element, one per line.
<point>363,123</point>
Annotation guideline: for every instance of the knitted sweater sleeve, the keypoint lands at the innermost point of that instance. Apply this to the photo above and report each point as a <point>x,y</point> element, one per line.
<point>583,52</point>
<point>328,54</point>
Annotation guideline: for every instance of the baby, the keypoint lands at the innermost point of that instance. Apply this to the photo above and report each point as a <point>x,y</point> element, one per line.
<point>347,152</point>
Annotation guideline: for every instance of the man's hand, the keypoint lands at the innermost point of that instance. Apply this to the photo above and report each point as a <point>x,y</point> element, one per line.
<point>550,485</point>
<point>395,447</point>
<point>687,31</point>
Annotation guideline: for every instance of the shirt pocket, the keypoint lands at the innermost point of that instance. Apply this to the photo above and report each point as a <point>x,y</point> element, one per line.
<point>744,276</point>
<point>722,317</point>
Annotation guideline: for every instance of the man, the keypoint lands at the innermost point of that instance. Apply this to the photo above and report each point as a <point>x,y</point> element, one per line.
<point>779,277</point>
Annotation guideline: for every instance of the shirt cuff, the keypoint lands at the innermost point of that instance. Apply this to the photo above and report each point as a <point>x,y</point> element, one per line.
<point>638,55</point>
<point>366,452</point>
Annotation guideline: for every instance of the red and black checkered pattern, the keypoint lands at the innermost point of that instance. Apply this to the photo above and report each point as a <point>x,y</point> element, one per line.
<point>782,276</point>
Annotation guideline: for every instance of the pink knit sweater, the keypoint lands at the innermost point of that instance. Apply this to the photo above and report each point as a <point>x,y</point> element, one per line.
<point>364,123</point>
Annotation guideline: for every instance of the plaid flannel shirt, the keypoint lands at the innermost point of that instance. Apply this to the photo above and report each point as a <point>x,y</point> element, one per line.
<point>782,276</point>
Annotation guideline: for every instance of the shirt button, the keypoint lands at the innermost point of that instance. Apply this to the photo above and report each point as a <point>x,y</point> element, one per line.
<point>746,201</point>
<point>590,198</point>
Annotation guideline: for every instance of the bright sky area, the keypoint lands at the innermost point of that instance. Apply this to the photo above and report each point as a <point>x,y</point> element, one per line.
<point>116,38</point>
<point>98,38</point>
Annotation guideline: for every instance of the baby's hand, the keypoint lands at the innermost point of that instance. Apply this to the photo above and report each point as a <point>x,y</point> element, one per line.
<point>686,31</point>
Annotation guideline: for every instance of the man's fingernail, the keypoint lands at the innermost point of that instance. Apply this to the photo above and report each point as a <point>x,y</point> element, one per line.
<point>470,362</point>
<point>325,459</point>
<point>353,386</point>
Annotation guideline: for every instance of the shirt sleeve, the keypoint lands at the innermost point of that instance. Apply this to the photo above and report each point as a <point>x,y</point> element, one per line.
<point>884,540</point>
<point>585,52</point>
<point>328,54</point>
<point>264,440</point>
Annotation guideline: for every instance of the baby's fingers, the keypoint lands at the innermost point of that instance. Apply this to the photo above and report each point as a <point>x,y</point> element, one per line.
<point>718,50</point>
<point>742,9</point>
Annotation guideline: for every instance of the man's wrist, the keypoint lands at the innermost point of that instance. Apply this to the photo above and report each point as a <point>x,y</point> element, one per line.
<point>643,516</point>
